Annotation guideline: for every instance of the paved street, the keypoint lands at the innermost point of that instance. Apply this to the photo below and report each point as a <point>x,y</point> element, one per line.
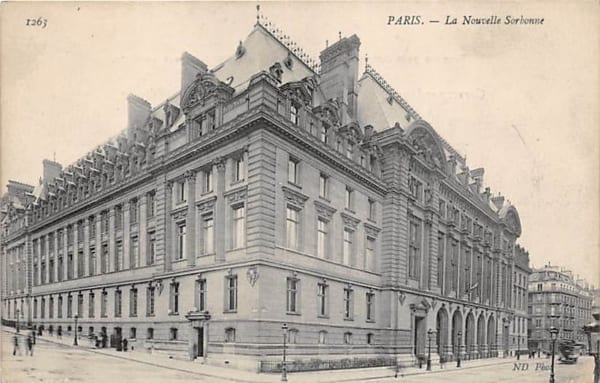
<point>56,362</point>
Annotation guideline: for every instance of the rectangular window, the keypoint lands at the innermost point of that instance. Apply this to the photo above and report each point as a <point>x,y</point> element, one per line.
<point>174,298</point>
<point>80,305</point>
<point>151,251</point>
<point>104,304</point>
<point>80,264</point>
<point>118,217</point>
<point>118,303</point>
<point>133,302</point>
<point>104,259</point>
<point>370,254</point>
<point>61,268</point>
<point>322,301</point>
<point>349,149</point>
<point>69,306</point>
<point>208,234</point>
<point>347,246</point>
<point>322,238</point>
<point>35,307</point>
<point>348,303</point>
<point>349,198</point>
<point>181,234</point>
<point>201,294</point>
<point>150,204</point>
<point>238,227</point>
<point>119,258</point>
<point>292,228</point>
<point>370,299</point>
<point>323,186</point>
<point>135,252</point>
<point>231,293</point>
<point>91,305</point>
<point>293,165</point>
<point>70,266</point>
<point>292,295</point>
<point>239,169</point>
<point>181,191</point>
<point>92,261</point>
<point>43,308</point>
<point>372,212</point>
<point>59,306</point>
<point>92,227</point>
<point>414,255</point>
<point>150,299</point>
<point>133,211</point>
<point>207,186</point>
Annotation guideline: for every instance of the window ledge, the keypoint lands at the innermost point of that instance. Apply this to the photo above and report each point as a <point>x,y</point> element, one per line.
<point>294,185</point>
<point>229,311</point>
<point>323,316</point>
<point>349,319</point>
<point>293,313</point>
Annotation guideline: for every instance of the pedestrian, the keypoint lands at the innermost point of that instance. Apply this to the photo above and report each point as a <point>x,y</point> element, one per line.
<point>16,345</point>
<point>29,345</point>
<point>442,362</point>
<point>33,336</point>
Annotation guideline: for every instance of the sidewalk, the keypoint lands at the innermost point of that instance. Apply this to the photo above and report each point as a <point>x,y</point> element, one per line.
<point>233,375</point>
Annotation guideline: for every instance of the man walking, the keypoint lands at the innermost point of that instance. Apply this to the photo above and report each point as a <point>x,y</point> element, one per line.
<point>29,345</point>
<point>16,345</point>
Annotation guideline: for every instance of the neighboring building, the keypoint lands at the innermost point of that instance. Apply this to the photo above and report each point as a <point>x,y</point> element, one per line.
<point>557,299</point>
<point>519,324</point>
<point>271,191</point>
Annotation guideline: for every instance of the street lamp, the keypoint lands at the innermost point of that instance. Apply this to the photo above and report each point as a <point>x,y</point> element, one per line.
<point>518,346</point>
<point>553,336</point>
<point>283,365</point>
<point>459,335</point>
<point>430,333</point>
<point>75,339</point>
<point>18,311</point>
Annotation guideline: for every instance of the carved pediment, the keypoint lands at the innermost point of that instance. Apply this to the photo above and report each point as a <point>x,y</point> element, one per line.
<point>324,210</point>
<point>350,221</point>
<point>294,197</point>
<point>300,91</point>
<point>204,86</point>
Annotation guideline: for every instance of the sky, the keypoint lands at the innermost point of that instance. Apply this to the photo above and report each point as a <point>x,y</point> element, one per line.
<point>521,101</point>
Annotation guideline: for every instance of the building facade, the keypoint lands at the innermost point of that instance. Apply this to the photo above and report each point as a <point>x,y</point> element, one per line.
<point>270,190</point>
<point>558,299</point>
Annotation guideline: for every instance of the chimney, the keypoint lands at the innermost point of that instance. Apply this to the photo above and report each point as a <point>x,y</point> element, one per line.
<point>498,201</point>
<point>190,67</point>
<point>52,170</point>
<point>138,111</point>
<point>452,164</point>
<point>339,74</point>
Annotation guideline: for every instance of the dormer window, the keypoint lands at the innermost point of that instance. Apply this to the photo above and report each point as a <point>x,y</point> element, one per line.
<point>294,114</point>
<point>325,133</point>
<point>350,149</point>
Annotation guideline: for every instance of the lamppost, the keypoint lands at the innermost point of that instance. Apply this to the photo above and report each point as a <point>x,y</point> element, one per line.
<point>518,346</point>
<point>18,311</point>
<point>75,339</point>
<point>430,333</point>
<point>459,335</point>
<point>553,336</point>
<point>283,365</point>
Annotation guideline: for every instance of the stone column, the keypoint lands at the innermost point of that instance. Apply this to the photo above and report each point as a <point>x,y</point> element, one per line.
<point>65,254</point>
<point>86,247</point>
<point>142,231</point>
<point>190,176</point>
<point>47,257</point>
<point>55,268</point>
<point>125,240</point>
<point>75,251</point>
<point>98,244</point>
<point>168,245</point>
<point>39,265</point>
<point>220,211</point>
<point>111,240</point>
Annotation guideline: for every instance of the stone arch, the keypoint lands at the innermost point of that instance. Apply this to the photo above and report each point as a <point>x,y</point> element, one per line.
<point>481,330</point>
<point>426,141</point>
<point>470,332</point>
<point>457,319</point>
<point>491,330</point>
<point>441,330</point>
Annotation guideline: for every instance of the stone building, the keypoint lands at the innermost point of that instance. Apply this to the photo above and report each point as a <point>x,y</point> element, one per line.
<point>558,299</point>
<point>270,189</point>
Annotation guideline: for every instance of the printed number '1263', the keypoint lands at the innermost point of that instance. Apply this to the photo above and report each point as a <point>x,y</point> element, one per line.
<point>39,22</point>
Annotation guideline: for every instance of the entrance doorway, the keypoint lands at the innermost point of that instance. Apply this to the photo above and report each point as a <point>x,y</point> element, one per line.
<point>419,334</point>
<point>199,346</point>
